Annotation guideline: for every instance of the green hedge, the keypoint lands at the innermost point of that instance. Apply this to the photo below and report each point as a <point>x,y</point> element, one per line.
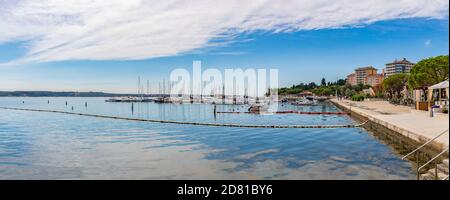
<point>358,97</point>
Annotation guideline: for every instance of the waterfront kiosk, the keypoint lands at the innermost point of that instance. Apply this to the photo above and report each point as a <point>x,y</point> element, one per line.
<point>438,95</point>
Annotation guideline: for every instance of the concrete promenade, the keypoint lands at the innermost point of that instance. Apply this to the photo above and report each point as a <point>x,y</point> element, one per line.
<point>414,124</point>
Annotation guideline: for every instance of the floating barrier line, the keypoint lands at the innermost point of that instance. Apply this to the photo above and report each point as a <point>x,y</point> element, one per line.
<point>190,123</point>
<point>289,112</point>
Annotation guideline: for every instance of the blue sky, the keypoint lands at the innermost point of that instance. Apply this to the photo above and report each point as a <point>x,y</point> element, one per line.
<point>301,55</point>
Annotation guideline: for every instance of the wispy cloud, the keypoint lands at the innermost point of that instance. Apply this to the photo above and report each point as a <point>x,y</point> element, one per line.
<point>427,43</point>
<point>134,29</point>
<point>230,53</point>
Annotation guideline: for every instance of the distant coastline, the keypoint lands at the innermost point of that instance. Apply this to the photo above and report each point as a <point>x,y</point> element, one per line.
<point>62,94</point>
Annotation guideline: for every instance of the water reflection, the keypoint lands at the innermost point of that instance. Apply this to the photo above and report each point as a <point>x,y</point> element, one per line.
<point>182,112</point>
<point>54,146</point>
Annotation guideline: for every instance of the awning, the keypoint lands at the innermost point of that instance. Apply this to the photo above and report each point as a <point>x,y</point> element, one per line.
<point>441,85</point>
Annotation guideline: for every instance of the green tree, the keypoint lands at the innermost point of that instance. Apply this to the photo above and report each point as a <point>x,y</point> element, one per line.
<point>349,92</point>
<point>360,87</point>
<point>341,82</point>
<point>311,85</point>
<point>324,82</point>
<point>323,90</point>
<point>428,72</point>
<point>394,84</point>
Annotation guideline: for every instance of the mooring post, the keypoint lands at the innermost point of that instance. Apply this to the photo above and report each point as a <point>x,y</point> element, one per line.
<point>436,170</point>
<point>350,109</point>
<point>418,164</point>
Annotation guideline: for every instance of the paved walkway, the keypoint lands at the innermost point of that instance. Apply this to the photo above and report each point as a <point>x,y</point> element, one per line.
<point>417,125</point>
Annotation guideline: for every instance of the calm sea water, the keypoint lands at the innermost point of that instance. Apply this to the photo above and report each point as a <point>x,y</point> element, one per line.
<point>36,145</point>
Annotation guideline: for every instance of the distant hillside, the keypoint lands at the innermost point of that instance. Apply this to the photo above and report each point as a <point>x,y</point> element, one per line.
<point>59,94</point>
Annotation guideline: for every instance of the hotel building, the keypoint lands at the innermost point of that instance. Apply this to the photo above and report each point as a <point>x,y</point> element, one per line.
<point>365,76</point>
<point>397,67</point>
<point>351,79</point>
<point>363,72</point>
<point>373,79</point>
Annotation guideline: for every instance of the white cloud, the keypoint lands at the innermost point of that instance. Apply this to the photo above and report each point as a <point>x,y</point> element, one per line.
<point>58,30</point>
<point>427,43</point>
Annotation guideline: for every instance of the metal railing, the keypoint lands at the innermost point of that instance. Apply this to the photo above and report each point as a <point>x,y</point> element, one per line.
<point>425,144</point>
<point>434,159</point>
<point>446,178</point>
<point>435,164</point>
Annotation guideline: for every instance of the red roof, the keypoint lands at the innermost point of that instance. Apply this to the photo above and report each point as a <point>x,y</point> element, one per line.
<point>305,93</point>
<point>404,61</point>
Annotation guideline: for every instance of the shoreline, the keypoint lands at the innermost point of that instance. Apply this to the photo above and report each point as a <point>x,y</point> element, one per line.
<point>415,126</point>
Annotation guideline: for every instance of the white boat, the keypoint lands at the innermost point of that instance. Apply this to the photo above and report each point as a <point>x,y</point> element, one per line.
<point>119,99</point>
<point>304,102</point>
<point>258,108</point>
<point>128,99</point>
<point>163,100</point>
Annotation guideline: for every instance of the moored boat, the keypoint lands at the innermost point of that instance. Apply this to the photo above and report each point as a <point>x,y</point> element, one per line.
<point>304,102</point>
<point>129,99</point>
<point>258,108</point>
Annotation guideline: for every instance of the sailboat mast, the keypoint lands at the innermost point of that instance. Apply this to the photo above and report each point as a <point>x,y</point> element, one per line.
<point>139,86</point>
<point>148,88</point>
<point>164,86</point>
